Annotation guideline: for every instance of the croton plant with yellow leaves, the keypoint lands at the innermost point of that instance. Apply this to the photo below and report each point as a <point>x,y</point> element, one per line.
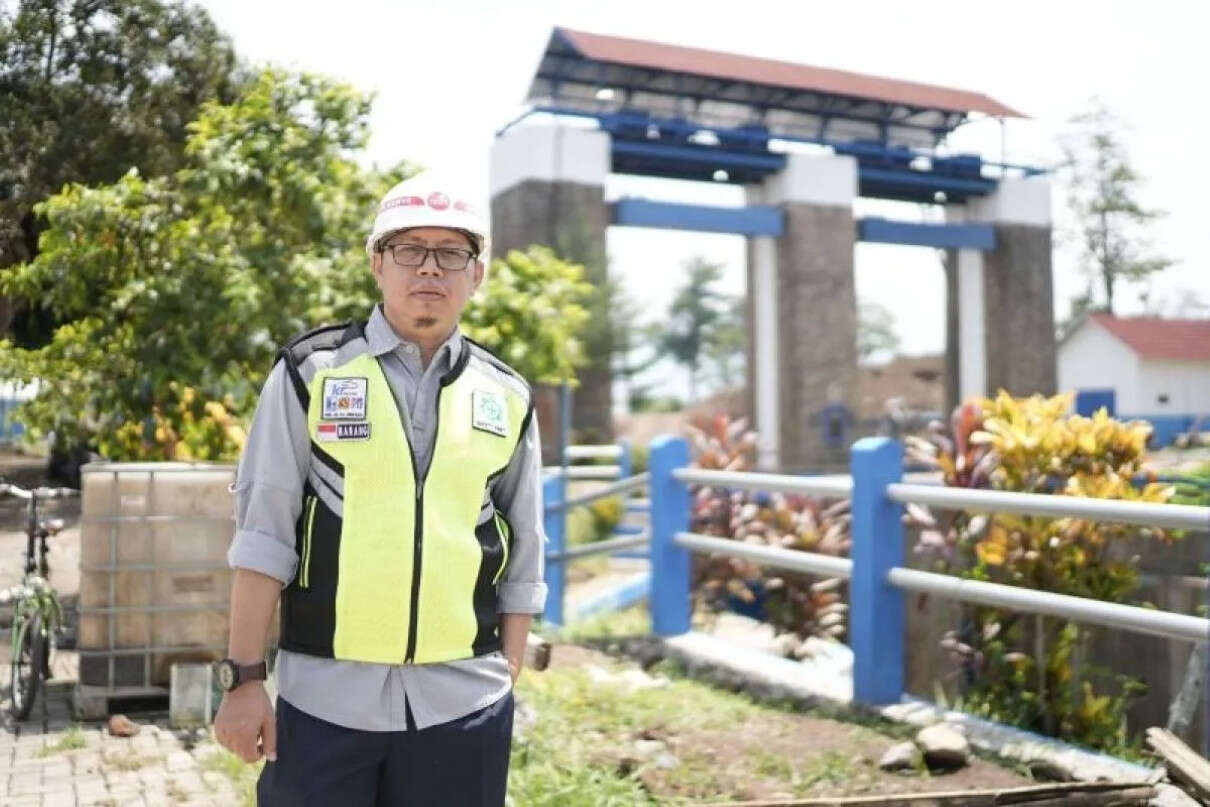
<point>185,426</point>
<point>1019,668</point>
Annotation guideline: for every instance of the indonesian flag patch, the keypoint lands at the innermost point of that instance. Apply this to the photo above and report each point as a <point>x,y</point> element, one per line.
<point>329,432</point>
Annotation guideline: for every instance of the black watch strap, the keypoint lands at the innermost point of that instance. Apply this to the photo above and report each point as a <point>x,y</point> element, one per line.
<point>243,673</point>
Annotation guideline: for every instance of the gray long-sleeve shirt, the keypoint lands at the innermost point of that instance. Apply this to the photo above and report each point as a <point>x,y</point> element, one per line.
<point>268,500</point>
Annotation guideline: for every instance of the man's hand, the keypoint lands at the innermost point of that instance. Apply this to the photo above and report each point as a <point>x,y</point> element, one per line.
<point>514,630</point>
<point>244,716</point>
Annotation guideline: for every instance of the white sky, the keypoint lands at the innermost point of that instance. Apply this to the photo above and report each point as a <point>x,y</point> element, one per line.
<point>447,76</point>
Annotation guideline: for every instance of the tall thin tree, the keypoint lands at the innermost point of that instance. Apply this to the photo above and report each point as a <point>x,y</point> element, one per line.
<point>1111,223</point>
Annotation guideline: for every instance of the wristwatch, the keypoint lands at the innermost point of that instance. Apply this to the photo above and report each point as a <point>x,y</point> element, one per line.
<point>231,674</point>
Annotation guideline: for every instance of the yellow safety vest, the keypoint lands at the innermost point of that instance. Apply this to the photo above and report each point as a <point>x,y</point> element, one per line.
<point>396,568</point>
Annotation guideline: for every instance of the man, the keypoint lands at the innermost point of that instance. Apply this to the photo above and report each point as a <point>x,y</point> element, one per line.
<point>391,484</point>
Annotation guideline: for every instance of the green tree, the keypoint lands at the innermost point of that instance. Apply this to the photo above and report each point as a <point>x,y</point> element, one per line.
<point>875,330</point>
<point>725,343</point>
<point>635,344</point>
<point>1103,188</point>
<point>530,312</point>
<point>173,292</point>
<point>693,315</point>
<point>88,90</point>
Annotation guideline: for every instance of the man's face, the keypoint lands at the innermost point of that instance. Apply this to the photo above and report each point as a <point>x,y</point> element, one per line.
<point>425,300</point>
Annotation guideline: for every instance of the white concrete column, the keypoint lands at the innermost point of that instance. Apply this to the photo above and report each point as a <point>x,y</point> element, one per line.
<point>972,328</point>
<point>767,352</point>
<point>551,154</point>
<point>1005,318</point>
<point>972,314</point>
<point>1024,200</point>
<point>804,309</point>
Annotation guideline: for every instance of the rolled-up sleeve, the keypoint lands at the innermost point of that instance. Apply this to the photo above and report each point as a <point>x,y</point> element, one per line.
<point>518,494</point>
<point>268,482</point>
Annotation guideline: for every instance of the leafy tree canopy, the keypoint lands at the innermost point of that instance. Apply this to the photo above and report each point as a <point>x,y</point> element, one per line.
<point>88,90</point>
<point>174,292</point>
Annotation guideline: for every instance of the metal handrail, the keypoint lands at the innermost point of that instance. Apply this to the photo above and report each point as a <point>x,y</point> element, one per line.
<point>606,547</point>
<point>623,486</point>
<point>600,472</point>
<point>829,486</point>
<point>588,452</point>
<point>1146,514</point>
<point>1081,609</point>
<point>778,557</point>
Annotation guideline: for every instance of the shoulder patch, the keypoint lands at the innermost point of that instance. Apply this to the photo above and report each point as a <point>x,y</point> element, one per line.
<point>301,347</point>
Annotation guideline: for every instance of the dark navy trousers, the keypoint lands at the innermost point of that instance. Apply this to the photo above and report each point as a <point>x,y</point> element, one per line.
<point>463,763</point>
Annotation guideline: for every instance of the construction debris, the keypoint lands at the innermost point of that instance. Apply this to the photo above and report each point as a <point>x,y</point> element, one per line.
<point>1067,794</point>
<point>1184,765</point>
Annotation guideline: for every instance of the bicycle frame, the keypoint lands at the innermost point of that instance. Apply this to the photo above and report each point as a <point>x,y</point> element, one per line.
<point>34,601</point>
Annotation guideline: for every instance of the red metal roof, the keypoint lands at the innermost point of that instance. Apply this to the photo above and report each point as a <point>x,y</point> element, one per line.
<point>716,64</point>
<point>1155,338</point>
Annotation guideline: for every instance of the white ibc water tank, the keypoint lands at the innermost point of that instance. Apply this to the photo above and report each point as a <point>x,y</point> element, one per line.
<point>154,582</point>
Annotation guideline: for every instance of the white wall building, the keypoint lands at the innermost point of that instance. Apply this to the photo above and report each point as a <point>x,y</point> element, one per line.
<point>1158,369</point>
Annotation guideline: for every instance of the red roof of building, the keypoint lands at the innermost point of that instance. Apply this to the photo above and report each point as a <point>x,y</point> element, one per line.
<point>1156,338</point>
<point>716,64</point>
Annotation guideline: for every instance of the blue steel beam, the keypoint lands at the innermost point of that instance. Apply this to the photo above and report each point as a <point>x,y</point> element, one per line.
<point>945,236</point>
<point>756,220</point>
<point>700,155</point>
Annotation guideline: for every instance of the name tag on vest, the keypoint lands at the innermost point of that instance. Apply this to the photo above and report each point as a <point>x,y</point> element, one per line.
<point>328,432</point>
<point>344,399</point>
<point>488,413</point>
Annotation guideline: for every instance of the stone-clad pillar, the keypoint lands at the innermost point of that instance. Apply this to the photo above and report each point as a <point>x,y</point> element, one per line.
<point>548,187</point>
<point>807,358</point>
<point>1018,288</point>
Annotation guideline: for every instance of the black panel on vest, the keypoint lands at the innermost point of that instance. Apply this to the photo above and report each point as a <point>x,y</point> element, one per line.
<point>334,465</point>
<point>308,615</point>
<point>487,639</point>
<point>325,337</point>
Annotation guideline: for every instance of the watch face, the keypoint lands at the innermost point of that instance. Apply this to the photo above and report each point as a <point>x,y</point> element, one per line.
<point>226,674</point>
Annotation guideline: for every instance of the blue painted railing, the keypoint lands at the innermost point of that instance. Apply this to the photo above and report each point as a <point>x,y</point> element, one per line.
<point>555,508</point>
<point>878,577</point>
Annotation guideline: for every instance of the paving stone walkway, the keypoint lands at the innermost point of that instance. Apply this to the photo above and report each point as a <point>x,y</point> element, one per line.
<point>41,767</point>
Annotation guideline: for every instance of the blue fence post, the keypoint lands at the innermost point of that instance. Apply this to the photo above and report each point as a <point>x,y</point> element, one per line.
<point>669,515</point>
<point>877,623</point>
<point>625,466</point>
<point>553,490</point>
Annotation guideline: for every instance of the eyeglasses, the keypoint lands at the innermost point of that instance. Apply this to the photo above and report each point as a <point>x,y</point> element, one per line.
<point>413,256</point>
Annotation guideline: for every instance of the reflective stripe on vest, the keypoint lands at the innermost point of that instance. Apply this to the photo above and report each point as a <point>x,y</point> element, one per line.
<point>417,560</point>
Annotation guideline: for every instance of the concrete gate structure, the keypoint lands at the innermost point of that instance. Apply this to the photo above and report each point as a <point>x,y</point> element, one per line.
<point>804,143</point>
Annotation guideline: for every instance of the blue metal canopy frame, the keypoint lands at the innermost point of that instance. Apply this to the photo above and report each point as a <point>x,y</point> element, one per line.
<point>675,148</point>
<point>671,119</point>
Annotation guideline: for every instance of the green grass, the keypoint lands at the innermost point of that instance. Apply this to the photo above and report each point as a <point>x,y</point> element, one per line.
<point>242,774</point>
<point>175,791</point>
<point>128,760</point>
<point>632,621</point>
<point>70,740</point>
<point>576,754</point>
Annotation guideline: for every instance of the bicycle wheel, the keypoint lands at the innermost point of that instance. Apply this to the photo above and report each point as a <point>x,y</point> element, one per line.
<point>29,660</point>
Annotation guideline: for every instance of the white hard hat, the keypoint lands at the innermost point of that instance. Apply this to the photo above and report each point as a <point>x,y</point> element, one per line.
<point>428,201</point>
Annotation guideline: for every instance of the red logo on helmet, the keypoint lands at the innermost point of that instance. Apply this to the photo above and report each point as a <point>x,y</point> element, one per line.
<point>438,200</point>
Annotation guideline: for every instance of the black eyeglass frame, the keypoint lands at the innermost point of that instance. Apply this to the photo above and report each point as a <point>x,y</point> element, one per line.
<point>470,256</point>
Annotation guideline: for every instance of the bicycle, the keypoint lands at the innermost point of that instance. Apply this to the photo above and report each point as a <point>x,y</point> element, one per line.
<point>37,614</point>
